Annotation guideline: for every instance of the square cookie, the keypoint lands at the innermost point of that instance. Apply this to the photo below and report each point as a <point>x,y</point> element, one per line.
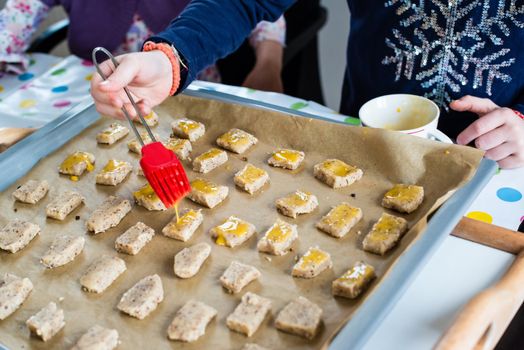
<point>294,204</point>
<point>14,291</point>
<point>31,192</point>
<point>134,239</point>
<point>232,232</point>
<point>189,260</point>
<point>17,234</point>
<point>249,314</point>
<point>209,160</point>
<point>236,140</point>
<point>102,273</point>
<point>188,129</point>
<point>356,280</point>
<point>340,220</point>
<point>278,238</point>
<point>207,193</point>
<point>190,321</point>
<point>46,322</point>
<point>147,198</point>
<point>108,214</point>
<point>181,147</point>
<point>76,163</point>
<point>251,178</point>
<point>237,276</point>
<point>63,205</point>
<point>300,317</point>
<point>114,172</point>
<point>286,158</point>
<point>184,227</point>
<point>112,134</point>
<point>336,173</point>
<point>63,250</point>
<point>312,263</point>
<point>143,298</point>
<point>403,198</point>
<point>385,234</point>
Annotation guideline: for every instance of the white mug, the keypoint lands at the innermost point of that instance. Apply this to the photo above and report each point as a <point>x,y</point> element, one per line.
<point>409,114</point>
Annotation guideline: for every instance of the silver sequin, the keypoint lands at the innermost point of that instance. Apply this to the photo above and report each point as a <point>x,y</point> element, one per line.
<point>445,43</point>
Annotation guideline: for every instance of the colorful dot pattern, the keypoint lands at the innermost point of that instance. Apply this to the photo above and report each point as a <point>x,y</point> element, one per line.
<point>508,194</point>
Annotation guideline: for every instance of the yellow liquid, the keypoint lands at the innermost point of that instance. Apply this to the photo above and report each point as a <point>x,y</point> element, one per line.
<point>114,129</point>
<point>287,155</point>
<point>146,192</point>
<point>403,192</point>
<point>313,257</point>
<point>74,159</point>
<point>149,116</point>
<point>278,233</point>
<point>205,186</point>
<point>232,226</point>
<point>298,198</point>
<point>251,174</point>
<point>212,153</point>
<point>358,273</point>
<point>187,125</point>
<point>338,167</point>
<point>235,137</point>
<point>176,213</point>
<point>384,227</point>
<point>185,219</point>
<point>112,165</point>
<point>175,144</point>
<point>340,215</point>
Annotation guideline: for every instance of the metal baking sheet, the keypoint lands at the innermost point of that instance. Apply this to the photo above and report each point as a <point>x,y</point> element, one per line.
<point>381,300</point>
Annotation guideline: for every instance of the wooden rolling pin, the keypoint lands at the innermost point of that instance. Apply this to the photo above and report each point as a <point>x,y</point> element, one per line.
<point>485,318</point>
<point>490,235</point>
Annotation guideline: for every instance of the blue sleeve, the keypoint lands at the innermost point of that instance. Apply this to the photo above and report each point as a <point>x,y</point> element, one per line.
<point>519,103</point>
<point>211,29</point>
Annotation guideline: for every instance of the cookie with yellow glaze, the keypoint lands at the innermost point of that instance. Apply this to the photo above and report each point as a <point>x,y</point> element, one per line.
<point>286,158</point>
<point>340,220</point>
<point>184,227</point>
<point>114,172</point>
<point>278,238</point>
<point>385,234</point>
<point>76,163</point>
<point>354,281</point>
<point>112,134</point>
<point>207,193</point>
<point>147,198</point>
<point>403,198</point>
<point>251,178</point>
<point>297,203</point>
<point>236,140</point>
<point>232,232</point>
<point>209,160</point>
<point>188,129</point>
<point>336,173</point>
<point>312,263</point>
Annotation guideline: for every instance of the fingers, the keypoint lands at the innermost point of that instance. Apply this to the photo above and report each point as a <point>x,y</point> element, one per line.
<point>121,76</point>
<point>473,104</point>
<point>501,152</point>
<point>493,138</point>
<point>484,125</point>
<point>511,162</point>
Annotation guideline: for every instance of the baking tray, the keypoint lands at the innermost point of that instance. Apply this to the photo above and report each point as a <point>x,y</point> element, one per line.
<point>377,304</point>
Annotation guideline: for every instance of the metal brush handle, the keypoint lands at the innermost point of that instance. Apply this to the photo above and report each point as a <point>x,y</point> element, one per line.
<point>142,120</point>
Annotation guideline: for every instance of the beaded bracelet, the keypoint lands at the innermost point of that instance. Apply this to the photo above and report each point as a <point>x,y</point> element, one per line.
<point>171,54</point>
<point>520,115</point>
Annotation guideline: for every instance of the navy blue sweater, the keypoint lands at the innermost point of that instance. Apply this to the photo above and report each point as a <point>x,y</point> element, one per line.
<point>439,49</point>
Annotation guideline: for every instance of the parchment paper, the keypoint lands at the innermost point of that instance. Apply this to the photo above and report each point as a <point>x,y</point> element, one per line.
<point>385,157</point>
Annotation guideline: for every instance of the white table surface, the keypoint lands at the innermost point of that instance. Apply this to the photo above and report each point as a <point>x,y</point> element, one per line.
<point>457,271</point>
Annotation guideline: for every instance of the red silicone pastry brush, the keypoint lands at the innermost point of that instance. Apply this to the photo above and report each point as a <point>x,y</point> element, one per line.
<point>161,167</point>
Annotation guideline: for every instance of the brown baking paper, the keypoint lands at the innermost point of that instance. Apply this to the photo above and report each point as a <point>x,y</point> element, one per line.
<point>385,157</point>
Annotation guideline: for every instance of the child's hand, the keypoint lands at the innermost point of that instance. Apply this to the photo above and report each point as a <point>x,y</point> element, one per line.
<point>266,74</point>
<point>148,75</point>
<point>498,131</point>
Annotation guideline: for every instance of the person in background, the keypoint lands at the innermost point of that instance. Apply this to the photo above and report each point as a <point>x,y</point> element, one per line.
<point>121,26</point>
<point>461,54</point>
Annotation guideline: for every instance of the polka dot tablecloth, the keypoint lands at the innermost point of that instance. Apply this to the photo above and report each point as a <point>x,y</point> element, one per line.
<point>53,85</point>
<point>48,89</point>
